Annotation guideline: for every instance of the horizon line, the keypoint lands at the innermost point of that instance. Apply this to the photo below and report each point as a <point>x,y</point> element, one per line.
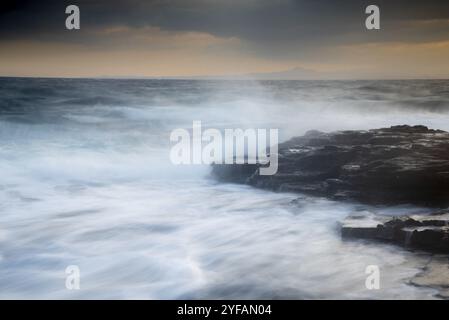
<point>215,78</point>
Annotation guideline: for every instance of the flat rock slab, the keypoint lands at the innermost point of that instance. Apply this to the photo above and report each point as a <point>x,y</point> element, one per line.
<point>400,164</point>
<point>426,232</point>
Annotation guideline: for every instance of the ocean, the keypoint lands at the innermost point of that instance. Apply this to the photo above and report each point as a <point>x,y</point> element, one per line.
<point>86,180</point>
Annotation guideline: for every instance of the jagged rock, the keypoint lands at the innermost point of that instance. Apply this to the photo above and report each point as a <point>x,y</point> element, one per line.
<point>427,232</point>
<point>400,164</point>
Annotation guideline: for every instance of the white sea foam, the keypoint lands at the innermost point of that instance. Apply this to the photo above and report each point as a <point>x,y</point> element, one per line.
<point>92,185</point>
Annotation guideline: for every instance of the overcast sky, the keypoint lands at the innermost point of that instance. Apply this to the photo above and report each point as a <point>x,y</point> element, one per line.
<point>225,37</point>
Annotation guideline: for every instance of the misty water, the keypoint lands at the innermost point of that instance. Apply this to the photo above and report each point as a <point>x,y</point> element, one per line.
<point>86,180</point>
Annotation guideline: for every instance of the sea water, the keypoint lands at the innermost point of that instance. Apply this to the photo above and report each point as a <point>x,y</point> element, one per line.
<point>86,180</point>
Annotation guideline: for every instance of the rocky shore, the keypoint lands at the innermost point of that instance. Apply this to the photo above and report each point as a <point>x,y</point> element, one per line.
<point>388,166</point>
<point>400,164</point>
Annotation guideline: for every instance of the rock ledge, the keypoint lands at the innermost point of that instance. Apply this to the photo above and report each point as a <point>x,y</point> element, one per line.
<point>427,232</point>
<point>400,164</point>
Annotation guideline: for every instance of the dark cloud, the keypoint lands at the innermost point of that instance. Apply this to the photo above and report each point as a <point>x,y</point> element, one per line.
<point>265,25</point>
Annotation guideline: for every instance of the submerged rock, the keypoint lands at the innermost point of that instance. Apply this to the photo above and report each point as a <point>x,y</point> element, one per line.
<point>400,164</point>
<point>427,232</point>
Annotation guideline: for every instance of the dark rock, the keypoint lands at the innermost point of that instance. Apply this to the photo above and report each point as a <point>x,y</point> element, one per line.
<point>401,164</point>
<point>427,232</point>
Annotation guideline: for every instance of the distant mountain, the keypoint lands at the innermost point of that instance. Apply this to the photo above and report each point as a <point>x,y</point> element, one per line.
<point>291,74</point>
<point>297,73</point>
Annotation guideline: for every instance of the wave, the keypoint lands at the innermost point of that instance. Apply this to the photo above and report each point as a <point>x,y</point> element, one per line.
<point>86,180</point>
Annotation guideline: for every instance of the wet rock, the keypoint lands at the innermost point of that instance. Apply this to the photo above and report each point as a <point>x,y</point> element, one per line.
<point>435,274</point>
<point>400,164</point>
<point>426,232</point>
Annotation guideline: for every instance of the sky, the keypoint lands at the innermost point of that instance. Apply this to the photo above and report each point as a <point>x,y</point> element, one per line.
<point>191,38</point>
